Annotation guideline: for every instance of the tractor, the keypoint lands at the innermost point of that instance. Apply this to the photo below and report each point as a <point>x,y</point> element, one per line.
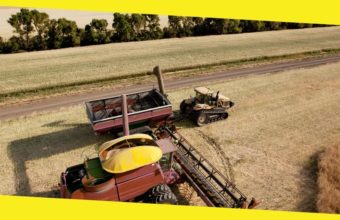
<point>206,107</point>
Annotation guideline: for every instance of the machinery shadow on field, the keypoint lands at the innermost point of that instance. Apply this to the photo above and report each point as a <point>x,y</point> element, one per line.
<point>74,136</point>
<point>53,193</point>
<point>183,121</point>
<point>308,187</point>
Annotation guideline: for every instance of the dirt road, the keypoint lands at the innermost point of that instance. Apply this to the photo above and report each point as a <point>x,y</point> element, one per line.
<point>15,110</point>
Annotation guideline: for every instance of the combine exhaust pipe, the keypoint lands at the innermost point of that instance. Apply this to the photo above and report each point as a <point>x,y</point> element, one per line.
<point>157,71</point>
<point>126,129</point>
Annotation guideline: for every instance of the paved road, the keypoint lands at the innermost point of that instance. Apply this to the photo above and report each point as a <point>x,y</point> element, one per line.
<point>15,110</point>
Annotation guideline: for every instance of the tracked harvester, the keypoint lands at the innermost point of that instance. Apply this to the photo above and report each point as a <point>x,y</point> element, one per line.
<point>206,107</point>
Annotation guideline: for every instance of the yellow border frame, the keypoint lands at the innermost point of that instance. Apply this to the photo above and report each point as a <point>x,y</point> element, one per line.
<point>43,208</point>
<point>324,12</point>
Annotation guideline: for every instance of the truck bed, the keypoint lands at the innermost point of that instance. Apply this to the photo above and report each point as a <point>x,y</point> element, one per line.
<point>143,107</point>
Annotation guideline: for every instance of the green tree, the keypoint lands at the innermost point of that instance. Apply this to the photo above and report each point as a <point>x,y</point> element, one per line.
<point>152,28</point>
<point>233,26</point>
<point>215,26</point>
<point>22,24</point>
<point>12,45</point>
<point>123,29</point>
<point>180,26</point>
<point>188,24</point>
<point>138,23</point>
<point>298,25</point>
<point>62,33</point>
<point>175,26</point>
<point>273,25</point>
<point>1,44</point>
<point>253,26</point>
<point>198,29</point>
<point>40,21</point>
<point>96,32</point>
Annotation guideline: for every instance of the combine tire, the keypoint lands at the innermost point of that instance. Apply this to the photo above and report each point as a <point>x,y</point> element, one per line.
<point>161,194</point>
<point>202,119</point>
<point>167,198</point>
<point>160,190</point>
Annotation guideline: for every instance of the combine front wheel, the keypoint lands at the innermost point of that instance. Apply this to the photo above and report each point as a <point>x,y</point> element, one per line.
<point>166,198</point>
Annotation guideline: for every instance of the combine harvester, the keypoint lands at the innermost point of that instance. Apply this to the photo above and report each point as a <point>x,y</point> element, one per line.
<point>141,167</point>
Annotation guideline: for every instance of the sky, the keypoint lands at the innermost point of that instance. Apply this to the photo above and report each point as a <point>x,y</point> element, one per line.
<point>81,17</point>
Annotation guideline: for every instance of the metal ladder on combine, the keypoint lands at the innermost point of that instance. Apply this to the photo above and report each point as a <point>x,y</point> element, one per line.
<point>211,185</point>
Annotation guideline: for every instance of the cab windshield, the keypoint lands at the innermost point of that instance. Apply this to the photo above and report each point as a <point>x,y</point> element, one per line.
<point>202,98</point>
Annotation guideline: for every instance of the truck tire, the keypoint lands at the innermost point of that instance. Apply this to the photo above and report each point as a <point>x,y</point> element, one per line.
<point>202,119</point>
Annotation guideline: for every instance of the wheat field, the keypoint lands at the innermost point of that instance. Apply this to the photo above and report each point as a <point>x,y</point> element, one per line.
<point>269,145</point>
<point>57,67</point>
<point>328,200</point>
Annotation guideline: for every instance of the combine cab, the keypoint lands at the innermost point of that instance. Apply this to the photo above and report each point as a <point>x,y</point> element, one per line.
<point>206,107</point>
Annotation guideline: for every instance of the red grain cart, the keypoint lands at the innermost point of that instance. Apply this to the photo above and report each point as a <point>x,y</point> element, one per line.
<point>147,108</point>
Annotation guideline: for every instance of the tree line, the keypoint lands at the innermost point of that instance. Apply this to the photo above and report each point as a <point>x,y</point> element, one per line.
<point>34,30</point>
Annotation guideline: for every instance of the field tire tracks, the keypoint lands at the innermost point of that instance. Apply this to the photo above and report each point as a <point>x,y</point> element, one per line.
<point>224,158</point>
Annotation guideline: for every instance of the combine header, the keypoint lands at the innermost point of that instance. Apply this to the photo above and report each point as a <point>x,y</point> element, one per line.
<point>210,184</point>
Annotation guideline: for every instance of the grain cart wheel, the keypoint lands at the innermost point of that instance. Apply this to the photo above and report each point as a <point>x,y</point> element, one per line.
<point>202,119</point>
<point>167,198</point>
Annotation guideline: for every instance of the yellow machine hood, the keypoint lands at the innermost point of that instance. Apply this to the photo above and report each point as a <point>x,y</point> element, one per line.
<point>106,147</point>
<point>127,159</point>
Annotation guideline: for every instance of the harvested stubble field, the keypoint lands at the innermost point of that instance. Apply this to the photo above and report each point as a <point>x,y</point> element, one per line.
<point>269,145</point>
<point>27,71</point>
